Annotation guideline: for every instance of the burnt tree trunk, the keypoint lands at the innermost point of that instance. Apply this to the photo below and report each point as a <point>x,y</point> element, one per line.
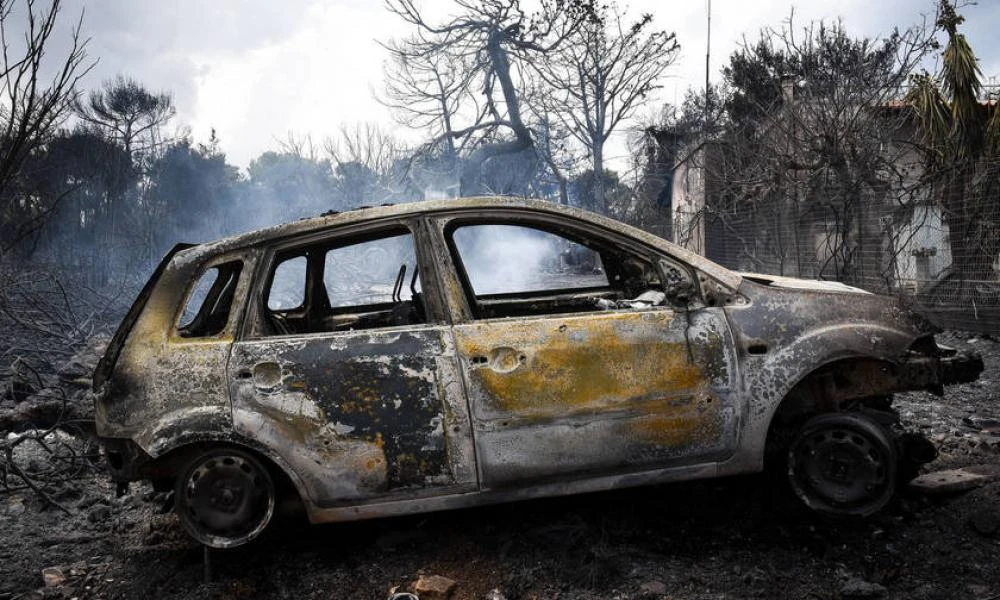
<point>600,191</point>
<point>470,182</point>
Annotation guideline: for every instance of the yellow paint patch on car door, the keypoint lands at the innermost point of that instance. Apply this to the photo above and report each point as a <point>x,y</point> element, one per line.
<point>609,390</point>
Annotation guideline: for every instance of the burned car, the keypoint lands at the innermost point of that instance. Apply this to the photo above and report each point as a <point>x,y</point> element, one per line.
<point>442,354</point>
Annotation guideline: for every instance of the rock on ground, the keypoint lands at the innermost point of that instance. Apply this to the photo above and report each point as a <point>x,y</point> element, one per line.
<point>434,587</point>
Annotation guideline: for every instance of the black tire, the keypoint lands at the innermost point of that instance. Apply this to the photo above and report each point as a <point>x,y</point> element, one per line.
<point>843,464</point>
<point>225,497</point>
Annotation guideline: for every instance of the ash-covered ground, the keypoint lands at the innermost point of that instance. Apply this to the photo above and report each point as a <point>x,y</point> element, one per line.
<point>731,538</point>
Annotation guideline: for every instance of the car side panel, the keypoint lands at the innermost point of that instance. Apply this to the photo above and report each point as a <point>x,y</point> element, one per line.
<point>796,332</point>
<point>162,379</point>
<point>358,415</point>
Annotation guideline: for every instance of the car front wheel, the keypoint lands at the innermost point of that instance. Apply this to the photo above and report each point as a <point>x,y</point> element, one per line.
<point>843,463</point>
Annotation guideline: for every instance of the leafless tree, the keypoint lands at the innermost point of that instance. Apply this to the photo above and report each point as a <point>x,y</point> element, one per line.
<point>494,43</point>
<point>299,146</point>
<point>554,145</point>
<point>31,108</point>
<point>430,92</point>
<point>604,72</point>
<point>366,144</point>
<point>369,164</point>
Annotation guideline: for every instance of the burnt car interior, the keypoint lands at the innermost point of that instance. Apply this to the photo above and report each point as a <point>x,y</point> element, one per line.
<point>361,283</point>
<point>513,269</point>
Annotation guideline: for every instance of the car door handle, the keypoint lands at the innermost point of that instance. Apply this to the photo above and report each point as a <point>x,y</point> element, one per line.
<point>265,375</point>
<point>501,360</point>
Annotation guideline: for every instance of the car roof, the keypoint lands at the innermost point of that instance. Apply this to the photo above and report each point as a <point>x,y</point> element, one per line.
<point>428,207</point>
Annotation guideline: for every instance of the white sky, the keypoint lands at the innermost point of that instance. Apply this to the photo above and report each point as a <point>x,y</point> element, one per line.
<point>256,70</point>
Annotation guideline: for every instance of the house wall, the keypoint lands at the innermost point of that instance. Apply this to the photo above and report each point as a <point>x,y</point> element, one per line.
<point>688,197</point>
<point>791,239</point>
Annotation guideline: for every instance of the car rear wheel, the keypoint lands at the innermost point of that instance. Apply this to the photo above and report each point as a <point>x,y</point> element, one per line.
<point>225,497</point>
<point>843,463</point>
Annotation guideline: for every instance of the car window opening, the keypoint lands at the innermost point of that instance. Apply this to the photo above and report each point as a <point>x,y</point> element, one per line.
<point>515,270</point>
<point>207,310</point>
<point>362,285</point>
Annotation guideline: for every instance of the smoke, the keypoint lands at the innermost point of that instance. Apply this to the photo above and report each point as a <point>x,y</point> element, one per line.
<point>114,228</point>
<point>510,258</point>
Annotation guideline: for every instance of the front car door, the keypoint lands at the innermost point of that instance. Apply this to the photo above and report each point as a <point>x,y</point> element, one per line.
<point>348,373</point>
<point>579,354</point>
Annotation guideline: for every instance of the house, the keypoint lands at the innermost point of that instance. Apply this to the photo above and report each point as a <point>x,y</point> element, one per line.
<point>815,203</point>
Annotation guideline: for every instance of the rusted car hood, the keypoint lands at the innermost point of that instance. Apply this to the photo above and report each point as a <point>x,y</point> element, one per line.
<point>793,283</point>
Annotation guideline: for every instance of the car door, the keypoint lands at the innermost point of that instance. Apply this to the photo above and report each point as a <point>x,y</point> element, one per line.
<point>575,361</point>
<point>349,373</point>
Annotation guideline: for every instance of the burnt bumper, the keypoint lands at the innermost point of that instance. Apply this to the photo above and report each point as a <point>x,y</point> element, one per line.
<point>946,367</point>
<point>961,368</point>
<point>124,459</point>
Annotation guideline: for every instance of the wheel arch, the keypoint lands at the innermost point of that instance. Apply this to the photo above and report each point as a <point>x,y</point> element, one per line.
<point>775,384</point>
<point>828,386</point>
<point>172,457</point>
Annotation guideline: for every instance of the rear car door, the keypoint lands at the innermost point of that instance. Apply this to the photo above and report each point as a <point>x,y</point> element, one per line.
<point>576,361</point>
<point>349,373</point>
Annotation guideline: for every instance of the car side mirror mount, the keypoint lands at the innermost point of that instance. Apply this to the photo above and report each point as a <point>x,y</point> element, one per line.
<point>681,293</point>
<point>678,285</point>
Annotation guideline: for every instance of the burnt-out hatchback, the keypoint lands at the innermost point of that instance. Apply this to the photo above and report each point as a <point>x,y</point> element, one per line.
<point>420,357</point>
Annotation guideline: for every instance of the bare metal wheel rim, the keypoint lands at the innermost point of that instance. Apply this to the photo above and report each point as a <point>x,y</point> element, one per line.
<point>225,498</point>
<point>843,463</point>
